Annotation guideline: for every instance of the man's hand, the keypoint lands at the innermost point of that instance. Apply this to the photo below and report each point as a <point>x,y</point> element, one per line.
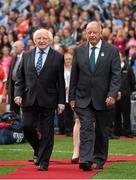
<point>72,104</point>
<point>110,101</point>
<point>18,100</point>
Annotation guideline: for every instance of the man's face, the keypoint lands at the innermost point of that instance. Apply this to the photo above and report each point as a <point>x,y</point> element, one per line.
<point>93,33</point>
<point>18,48</point>
<point>42,40</point>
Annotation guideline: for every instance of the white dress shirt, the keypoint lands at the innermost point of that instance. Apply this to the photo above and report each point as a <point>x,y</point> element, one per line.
<point>97,50</point>
<point>44,56</point>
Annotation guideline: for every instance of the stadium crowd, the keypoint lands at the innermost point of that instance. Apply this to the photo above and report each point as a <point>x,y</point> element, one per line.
<point>67,20</point>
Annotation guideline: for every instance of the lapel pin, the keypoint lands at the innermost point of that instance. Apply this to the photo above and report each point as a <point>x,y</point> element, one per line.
<point>102,54</point>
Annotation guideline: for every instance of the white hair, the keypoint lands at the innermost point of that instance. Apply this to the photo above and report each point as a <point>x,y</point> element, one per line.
<point>50,35</point>
<point>19,43</point>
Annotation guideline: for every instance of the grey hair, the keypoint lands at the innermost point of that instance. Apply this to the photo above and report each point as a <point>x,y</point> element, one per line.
<point>50,35</point>
<point>94,22</point>
<point>19,43</point>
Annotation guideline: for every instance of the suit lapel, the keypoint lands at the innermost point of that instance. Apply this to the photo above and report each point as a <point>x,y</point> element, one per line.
<point>14,62</point>
<point>48,59</point>
<point>103,51</point>
<point>12,67</point>
<point>85,55</point>
<point>32,60</point>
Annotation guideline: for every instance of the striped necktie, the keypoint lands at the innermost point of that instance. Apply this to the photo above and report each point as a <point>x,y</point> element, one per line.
<point>39,63</point>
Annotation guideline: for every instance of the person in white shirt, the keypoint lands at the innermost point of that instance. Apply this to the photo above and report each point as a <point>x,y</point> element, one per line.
<point>68,113</point>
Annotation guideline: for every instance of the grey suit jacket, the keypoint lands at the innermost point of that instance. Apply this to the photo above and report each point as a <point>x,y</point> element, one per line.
<point>10,82</point>
<point>95,87</point>
<point>48,88</point>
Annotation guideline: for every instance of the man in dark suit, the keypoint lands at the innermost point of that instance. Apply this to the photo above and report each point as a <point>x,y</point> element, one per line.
<point>19,49</point>
<point>40,89</point>
<point>122,123</point>
<point>95,81</point>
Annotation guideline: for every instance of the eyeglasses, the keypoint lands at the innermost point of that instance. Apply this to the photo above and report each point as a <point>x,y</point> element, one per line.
<point>93,32</point>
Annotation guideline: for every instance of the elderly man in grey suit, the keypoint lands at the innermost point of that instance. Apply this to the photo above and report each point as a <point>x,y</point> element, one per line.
<point>95,82</point>
<point>39,90</point>
<point>19,49</point>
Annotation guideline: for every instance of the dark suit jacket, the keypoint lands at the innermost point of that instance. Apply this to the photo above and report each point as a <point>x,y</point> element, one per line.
<point>87,86</point>
<point>127,80</point>
<point>10,82</point>
<point>48,88</point>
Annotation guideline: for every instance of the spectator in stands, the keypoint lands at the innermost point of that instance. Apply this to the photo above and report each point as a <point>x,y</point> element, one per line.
<point>2,87</point>
<point>76,31</point>
<point>106,34</point>
<point>120,40</point>
<point>67,39</point>
<point>5,42</point>
<point>30,44</point>
<point>70,49</point>
<point>56,42</point>
<point>6,59</point>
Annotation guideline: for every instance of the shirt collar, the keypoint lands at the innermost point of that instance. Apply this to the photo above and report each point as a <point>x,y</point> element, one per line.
<point>122,64</point>
<point>98,45</point>
<point>19,55</point>
<point>45,50</point>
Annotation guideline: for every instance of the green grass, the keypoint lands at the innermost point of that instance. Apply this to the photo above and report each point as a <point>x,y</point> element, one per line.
<point>122,147</point>
<point>5,170</point>
<point>118,170</point>
<point>63,150</point>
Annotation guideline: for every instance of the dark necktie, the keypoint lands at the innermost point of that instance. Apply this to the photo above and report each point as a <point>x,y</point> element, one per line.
<point>39,63</point>
<point>92,58</point>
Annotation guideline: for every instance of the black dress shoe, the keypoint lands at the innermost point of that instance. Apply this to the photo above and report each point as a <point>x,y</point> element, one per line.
<point>42,168</point>
<point>75,160</point>
<point>98,166</point>
<point>85,166</point>
<point>35,160</point>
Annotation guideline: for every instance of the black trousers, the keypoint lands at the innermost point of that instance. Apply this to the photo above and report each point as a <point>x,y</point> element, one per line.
<point>94,134</point>
<point>40,118</point>
<point>122,124</point>
<point>68,119</point>
<point>13,106</point>
<point>102,129</point>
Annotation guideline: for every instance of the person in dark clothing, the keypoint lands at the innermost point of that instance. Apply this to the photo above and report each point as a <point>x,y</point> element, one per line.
<point>40,90</point>
<point>94,84</point>
<point>122,125</point>
<point>19,49</point>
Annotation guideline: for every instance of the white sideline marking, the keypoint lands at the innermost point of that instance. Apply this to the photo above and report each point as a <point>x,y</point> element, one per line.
<point>31,150</point>
<point>68,152</point>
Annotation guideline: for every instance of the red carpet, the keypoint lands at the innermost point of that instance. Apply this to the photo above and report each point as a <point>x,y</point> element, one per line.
<point>58,169</point>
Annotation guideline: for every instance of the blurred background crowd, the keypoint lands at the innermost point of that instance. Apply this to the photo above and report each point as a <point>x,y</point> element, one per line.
<point>66,19</point>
